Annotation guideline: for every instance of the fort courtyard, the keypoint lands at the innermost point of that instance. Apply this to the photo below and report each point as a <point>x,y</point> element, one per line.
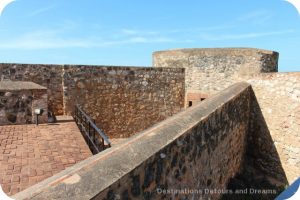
<point>198,124</point>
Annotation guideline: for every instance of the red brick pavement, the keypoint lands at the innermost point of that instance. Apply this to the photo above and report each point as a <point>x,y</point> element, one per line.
<point>30,154</point>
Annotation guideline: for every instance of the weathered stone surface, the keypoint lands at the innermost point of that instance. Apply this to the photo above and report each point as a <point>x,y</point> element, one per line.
<point>18,86</point>
<point>124,100</point>
<point>278,97</point>
<point>127,100</point>
<point>275,140</point>
<point>34,153</point>
<point>48,76</point>
<point>18,100</point>
<point>200,148</point>
<point>211,70</point>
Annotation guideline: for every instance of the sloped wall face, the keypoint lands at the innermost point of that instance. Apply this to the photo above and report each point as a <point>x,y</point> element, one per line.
<point>211,70</point>
<point>124,100</point>
<point>275,133</point>
<point>193,153</point>
<point>278,97</point>
<point>201,160</point>
<point>48,76</point>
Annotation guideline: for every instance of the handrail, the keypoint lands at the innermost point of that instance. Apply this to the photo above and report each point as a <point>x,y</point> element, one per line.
<point>94,125</point>
<point>89,129</point>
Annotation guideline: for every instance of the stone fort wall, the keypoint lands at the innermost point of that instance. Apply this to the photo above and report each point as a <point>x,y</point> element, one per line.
<point>278,99</point>
<point>266,116</point>
<point>200,149</point>
<point>49,76</point>
<point>18,100</point>
<point>209,71</point>
<point>122,100</point>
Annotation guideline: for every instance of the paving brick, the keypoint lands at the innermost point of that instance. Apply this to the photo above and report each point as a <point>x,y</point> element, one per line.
<point>6,188</point>
<point>6,152</point>
<point>10,167</point>
<point>15,190</point>
<point>9,172</point>
<point>30,154</point>
<point>32,173</point>
<point>16,178</point>
<point>17,168</point>
<point>6,180</point>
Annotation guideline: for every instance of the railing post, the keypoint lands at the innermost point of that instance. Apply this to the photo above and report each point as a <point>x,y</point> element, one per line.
<point>89,129</point>
<point>94,132</point>
<point>94,137</point>
<point>103,146</point>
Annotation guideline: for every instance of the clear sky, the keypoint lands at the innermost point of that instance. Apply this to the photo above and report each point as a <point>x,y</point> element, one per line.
<point>120,32</point>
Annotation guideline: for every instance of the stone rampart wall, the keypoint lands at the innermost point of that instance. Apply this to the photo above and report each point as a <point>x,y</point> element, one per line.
<point>124,100</point>
<point>200,148</point>
<point>17,107</point>
<point>48,76</point>
<point>211,70</point>
<point>275,136</point>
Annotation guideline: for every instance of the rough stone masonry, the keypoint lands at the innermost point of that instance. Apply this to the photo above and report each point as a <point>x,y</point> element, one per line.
<point>18,100</point>
<point>118,98</point>
<point>272,136</point>
<point>209,71</point>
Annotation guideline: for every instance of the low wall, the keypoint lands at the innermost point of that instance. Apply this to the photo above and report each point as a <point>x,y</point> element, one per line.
<point>124,100</point>
<point>18,100</point>
<point>48,76</point>
<point>200,148</point>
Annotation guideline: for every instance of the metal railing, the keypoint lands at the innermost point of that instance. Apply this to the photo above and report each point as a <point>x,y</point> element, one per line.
<point>94,137</point>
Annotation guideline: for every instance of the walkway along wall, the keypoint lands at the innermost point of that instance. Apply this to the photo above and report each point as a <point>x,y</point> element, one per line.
<point>201,148</point>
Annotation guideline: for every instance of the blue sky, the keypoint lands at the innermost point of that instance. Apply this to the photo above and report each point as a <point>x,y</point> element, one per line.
<point>119,32</point>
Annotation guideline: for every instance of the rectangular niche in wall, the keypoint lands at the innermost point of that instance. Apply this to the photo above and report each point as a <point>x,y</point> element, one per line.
<point>195,97</point>
<point>19,99</point>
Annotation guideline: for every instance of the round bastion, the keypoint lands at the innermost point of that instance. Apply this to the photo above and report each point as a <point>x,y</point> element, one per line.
<point>209,70</point>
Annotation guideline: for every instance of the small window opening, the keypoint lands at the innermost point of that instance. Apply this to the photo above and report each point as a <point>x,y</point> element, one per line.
<point>202,99</point>
<point>190,103</point>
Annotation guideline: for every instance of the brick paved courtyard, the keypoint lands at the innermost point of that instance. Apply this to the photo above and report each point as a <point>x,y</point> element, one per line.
<point>30,153</point>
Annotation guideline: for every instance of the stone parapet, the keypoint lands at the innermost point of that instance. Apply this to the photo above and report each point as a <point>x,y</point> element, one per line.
<point>197,149</point>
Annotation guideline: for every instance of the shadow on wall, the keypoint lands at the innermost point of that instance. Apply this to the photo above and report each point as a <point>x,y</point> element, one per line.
<point>262,169</point>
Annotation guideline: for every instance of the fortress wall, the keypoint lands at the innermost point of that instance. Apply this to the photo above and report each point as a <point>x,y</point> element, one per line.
<point>211,70</point>
<point>278,97</point>
<point>274,141</point>
<point>124,100</point>
<point>199,148</point>
<point>48,76</point>
<point>17,104</point>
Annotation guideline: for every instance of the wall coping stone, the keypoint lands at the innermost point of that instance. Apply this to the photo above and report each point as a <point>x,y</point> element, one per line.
<point>88,178</point>
<point>19,85</point>
<point>215,51</point>
<point>125,67</point>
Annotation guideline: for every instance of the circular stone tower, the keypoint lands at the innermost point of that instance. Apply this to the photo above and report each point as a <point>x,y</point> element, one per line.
<point>210,70</point>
